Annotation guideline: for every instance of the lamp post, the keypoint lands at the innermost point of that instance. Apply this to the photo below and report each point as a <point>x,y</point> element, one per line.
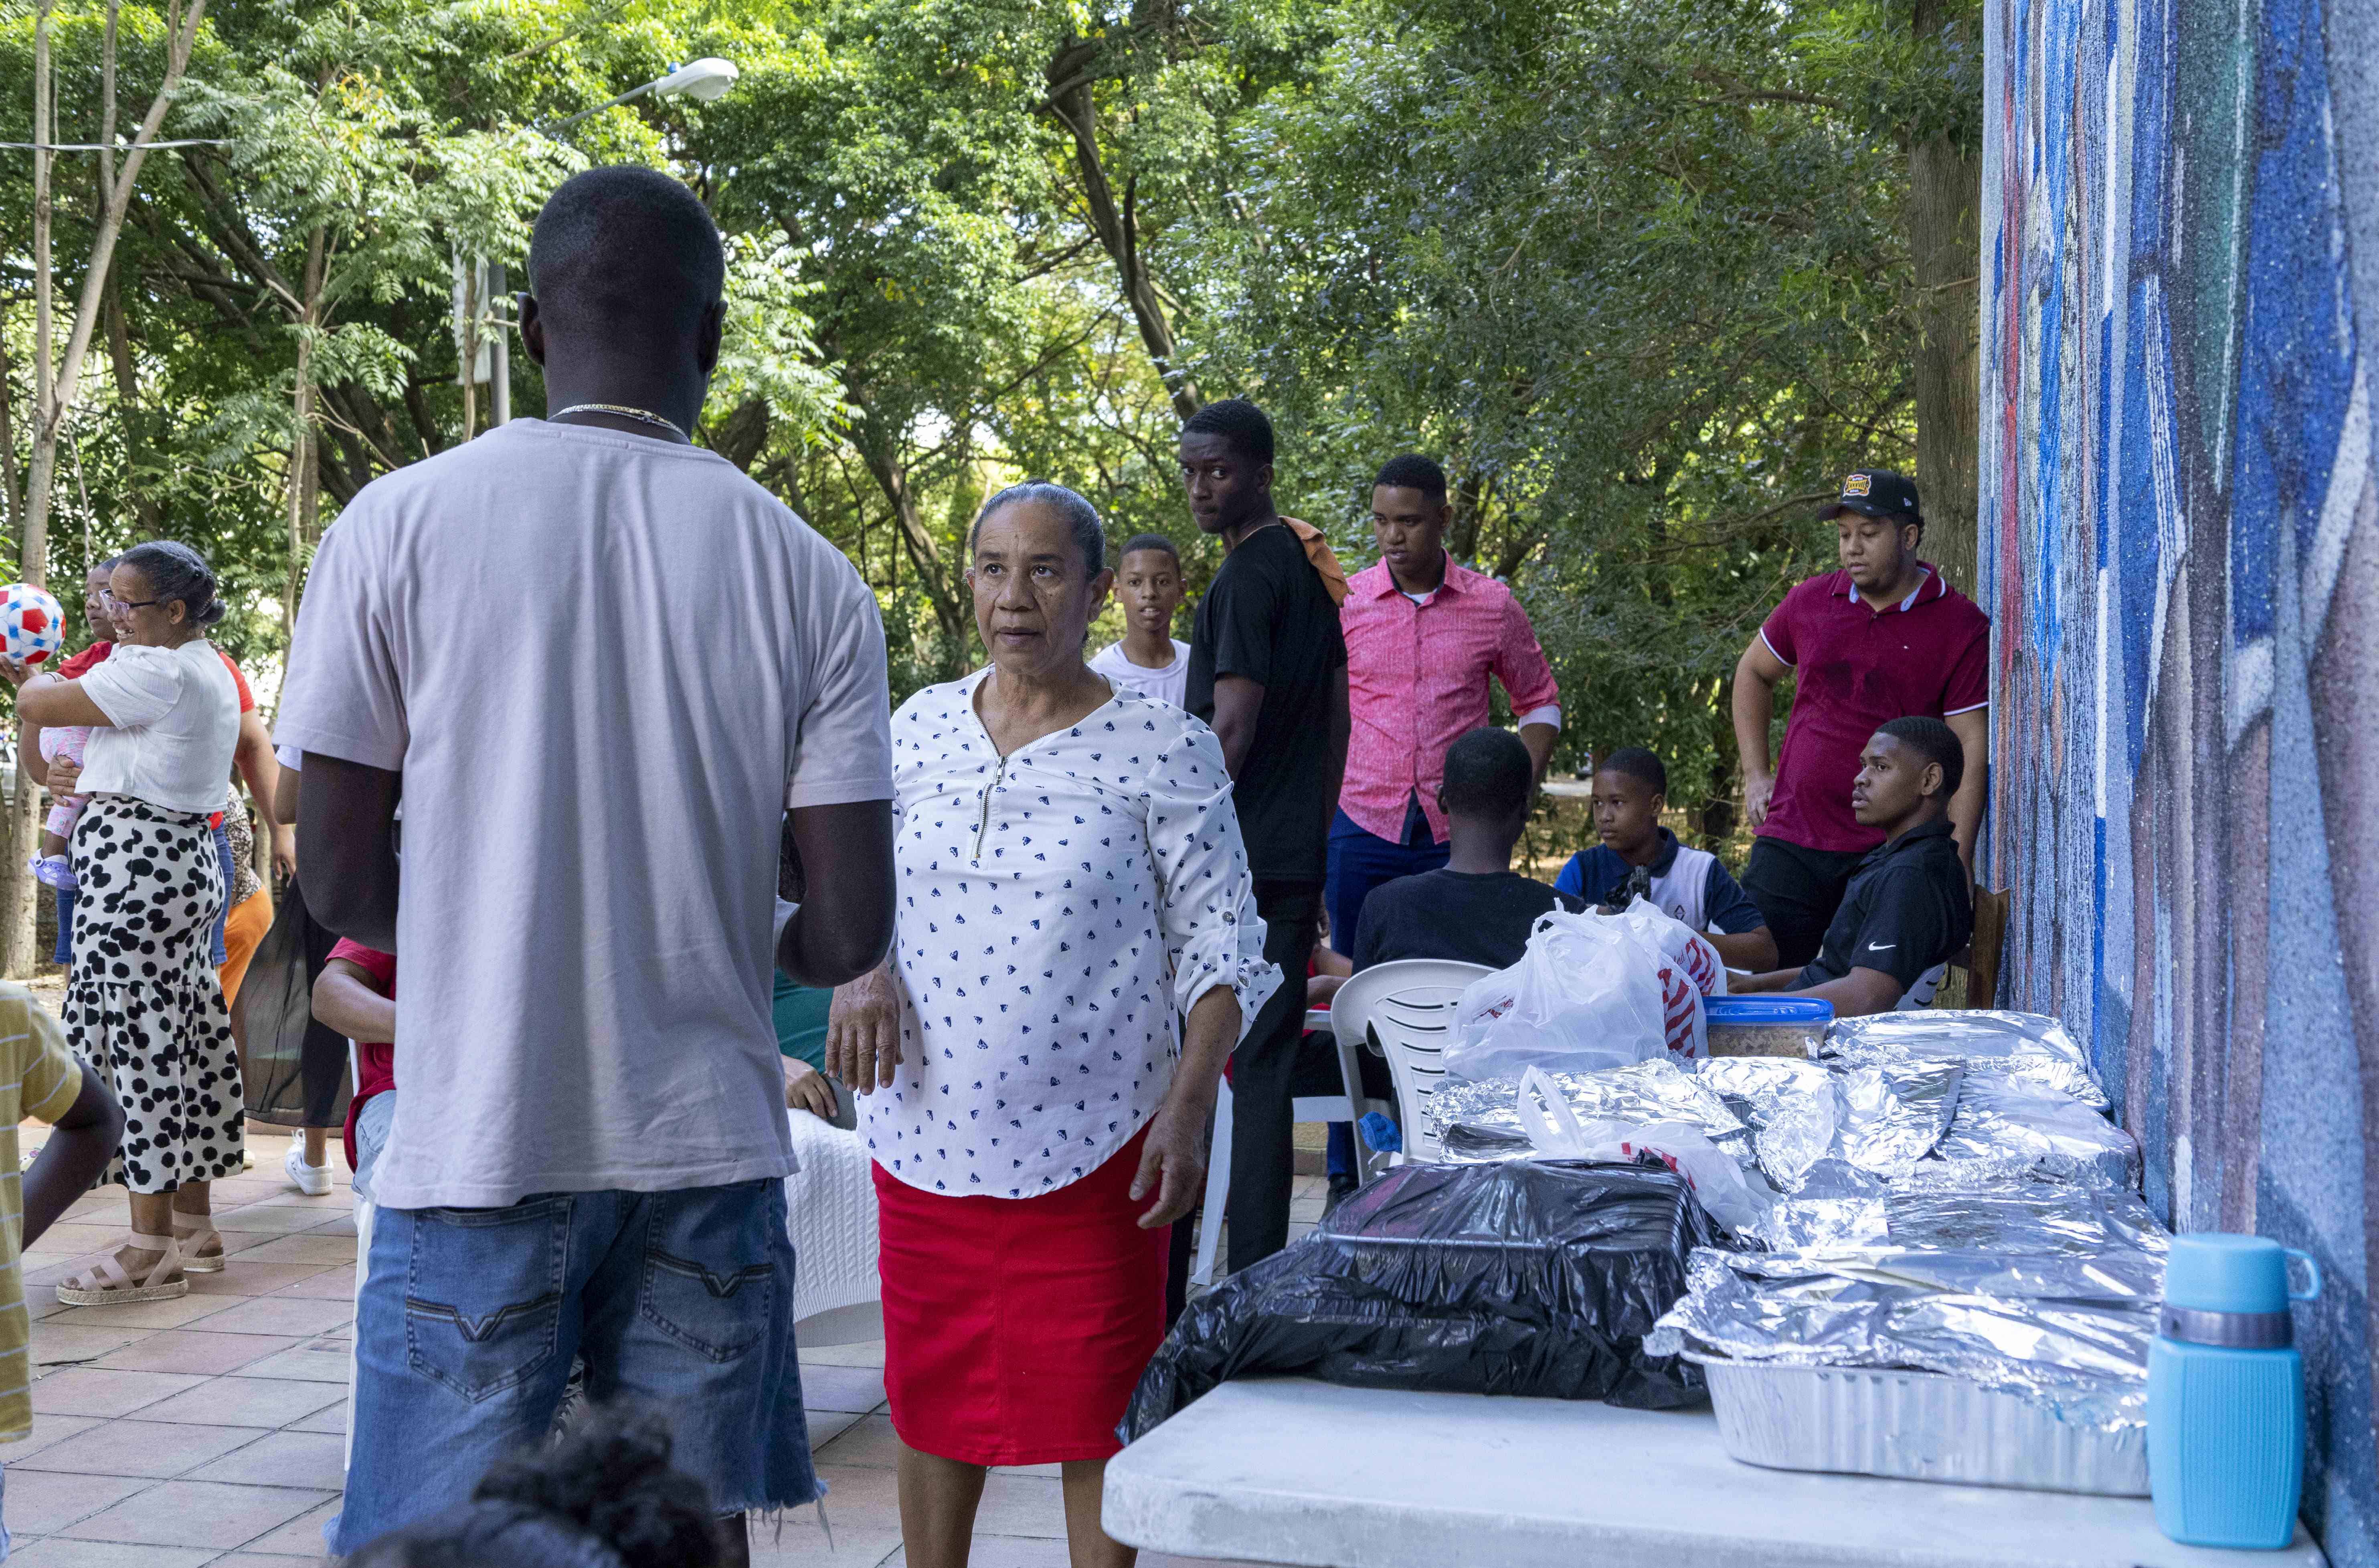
<point>704,81</point>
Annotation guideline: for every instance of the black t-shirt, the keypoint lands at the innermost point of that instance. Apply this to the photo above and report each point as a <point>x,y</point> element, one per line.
<point>1476,918</point>
<point>1267,618</point>
<point>1907,907</point>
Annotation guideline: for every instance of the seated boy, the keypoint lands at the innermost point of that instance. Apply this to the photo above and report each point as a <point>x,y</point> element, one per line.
<point>44,1080</point>
<point>1631,788</point>
<point>355,994</point>
<point>1476,908</point>
<point>1909,906</point>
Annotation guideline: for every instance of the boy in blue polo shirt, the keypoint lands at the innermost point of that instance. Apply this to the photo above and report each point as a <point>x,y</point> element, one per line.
<point>1691,885</point>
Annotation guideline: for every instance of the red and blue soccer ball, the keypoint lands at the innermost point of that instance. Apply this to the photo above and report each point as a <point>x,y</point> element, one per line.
<point>32,625</point>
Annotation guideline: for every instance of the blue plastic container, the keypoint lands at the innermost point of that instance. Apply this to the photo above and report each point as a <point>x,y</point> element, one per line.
<point>2225,1394</point>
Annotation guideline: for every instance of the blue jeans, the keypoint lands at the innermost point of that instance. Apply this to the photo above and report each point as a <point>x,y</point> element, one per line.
<point>64,953</point>
<point>470,1319</point>
<point>1358,862</point>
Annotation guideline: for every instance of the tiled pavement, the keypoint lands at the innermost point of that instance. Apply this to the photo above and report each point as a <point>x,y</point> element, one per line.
<point>210,1430</point>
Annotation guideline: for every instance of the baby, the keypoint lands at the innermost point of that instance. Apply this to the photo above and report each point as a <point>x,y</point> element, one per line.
<point>51,867</point>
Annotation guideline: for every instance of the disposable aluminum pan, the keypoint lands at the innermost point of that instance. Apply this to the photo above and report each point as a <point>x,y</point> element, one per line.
<point>1921,1426</point>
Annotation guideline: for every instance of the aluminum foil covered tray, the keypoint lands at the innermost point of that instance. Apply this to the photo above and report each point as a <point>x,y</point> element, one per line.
<point>1921,1426</point>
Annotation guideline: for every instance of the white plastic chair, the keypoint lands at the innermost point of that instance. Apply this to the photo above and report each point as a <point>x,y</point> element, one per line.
<point>1347,1108</point>
<point>1410,1007</point>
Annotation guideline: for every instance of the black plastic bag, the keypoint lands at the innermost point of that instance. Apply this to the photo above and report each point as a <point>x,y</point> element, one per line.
<point>1535,1277</point>
<point>293,1071</point>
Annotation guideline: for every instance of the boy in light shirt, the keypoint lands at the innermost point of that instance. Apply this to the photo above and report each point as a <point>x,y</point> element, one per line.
<point>43,1080</point>
<point>1149,660</point>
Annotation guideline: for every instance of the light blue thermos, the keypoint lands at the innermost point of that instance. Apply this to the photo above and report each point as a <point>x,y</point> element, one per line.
<point>2226,1394</point>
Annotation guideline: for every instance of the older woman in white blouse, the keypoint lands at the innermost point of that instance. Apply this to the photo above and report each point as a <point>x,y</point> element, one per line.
<point>1071,883</point>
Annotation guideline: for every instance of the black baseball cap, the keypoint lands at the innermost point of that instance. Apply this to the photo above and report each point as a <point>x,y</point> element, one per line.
<point>1876,492</point>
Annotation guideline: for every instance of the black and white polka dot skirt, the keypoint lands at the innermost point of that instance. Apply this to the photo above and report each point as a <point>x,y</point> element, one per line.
<point>143,1005</point>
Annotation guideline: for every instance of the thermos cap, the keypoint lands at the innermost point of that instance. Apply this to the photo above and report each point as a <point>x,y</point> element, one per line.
<point>2213,1271</point>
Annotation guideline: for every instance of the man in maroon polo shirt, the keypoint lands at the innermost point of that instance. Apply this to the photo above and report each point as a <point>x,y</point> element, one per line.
<point>1883,638</point>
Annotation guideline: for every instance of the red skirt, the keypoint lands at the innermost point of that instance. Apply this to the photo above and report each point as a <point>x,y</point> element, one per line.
<point>1015,1328</point>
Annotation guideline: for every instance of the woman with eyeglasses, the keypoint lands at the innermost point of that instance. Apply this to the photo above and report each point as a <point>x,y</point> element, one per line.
<point>143,1005</point>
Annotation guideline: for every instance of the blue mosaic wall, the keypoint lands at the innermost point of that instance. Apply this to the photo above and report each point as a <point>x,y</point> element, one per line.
<point>2180,547</point>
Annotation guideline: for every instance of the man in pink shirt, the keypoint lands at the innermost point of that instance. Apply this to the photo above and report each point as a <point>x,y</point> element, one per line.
<point>1423,635</point>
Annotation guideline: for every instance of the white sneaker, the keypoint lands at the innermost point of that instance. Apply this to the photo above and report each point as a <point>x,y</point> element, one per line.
<point>314,1181</point>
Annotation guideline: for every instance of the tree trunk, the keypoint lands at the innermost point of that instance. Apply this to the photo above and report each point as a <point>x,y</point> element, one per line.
<point>305,472</point>
<point>924,553</point>
<point>1070,78</point>
<point>56,380</point>
<point>1944,242</point>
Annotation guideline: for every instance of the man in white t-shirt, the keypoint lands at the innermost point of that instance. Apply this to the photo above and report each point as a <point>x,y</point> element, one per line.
<point>1149,660</point>
<point>588,1157</point>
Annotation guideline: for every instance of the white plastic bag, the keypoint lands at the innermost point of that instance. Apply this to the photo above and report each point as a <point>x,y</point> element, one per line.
<point>1586,995</point>
<point>1592,991</point>
<point>1733,1199</point>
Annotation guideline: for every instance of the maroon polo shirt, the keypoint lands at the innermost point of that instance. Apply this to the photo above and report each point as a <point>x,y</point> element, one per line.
<point>1856,668</point>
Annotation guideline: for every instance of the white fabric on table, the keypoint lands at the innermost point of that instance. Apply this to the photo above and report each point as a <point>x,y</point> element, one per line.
<point>830,1213</point>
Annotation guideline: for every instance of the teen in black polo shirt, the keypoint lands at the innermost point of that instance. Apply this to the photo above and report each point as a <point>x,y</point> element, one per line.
<point>1908,906</point>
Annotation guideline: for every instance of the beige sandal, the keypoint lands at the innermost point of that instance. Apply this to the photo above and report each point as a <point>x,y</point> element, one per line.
<point>106,1284</point>
<point>194,1231</point>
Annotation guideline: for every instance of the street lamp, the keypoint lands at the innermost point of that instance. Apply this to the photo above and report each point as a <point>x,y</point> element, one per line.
<point>705,81</point>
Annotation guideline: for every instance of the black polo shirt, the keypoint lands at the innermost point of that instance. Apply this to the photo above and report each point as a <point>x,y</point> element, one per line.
<point>1908,908</point>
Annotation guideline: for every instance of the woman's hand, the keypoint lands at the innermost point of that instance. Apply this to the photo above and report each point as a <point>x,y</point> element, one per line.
<point>1173,1161</point>
<point>806,1088</point>
<point>284,852</point>
<point>16,673</point>
<point>863,1031</point>
<point>65,775</point>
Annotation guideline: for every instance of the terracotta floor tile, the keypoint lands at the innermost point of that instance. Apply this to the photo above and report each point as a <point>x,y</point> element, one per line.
<point>278,1315</point>
<point>341,1195</point>
<point>327,1284</point>
<point>1022,1505</point>
<point>48,1431</point>
<point>273,1220</point>
<point>61,1344</point>
<point>89,1391</point>
<point>158,1450</point>
<point>333,1418</point>
<point>300,1538</point>
<point>244,1278</point>
<point>172,1314</point>
<point>843,1388</point>
<point>307,1247</point>
<point>80,1237</point>
<point>867,1442</point>
<point>207,1355</point>
<point>869,1353</point>
<point>316,1360</point>
<point>1008,1552</point>
<point>259,1559</point>
<point>58,1552</point>
<point>197,1514</point>
<point>284,1459</point>
<point>42,1503</point>
<point>828,1425</point>
<point>244,1402</point>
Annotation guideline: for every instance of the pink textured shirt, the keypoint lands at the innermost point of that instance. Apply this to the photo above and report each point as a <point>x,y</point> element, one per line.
<point>1417,682</point>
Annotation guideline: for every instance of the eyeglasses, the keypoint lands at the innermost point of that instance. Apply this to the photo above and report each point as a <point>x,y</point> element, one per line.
<point>111,603</point>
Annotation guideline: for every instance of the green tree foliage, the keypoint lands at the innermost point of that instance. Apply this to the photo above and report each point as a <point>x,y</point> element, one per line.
<point>1637,269</point>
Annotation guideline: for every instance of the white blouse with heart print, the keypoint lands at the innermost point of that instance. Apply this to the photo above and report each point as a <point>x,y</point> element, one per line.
<point>1059,910</point>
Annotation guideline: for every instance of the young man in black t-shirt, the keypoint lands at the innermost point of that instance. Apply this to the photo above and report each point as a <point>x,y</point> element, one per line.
<point>1268,672</point>
<point>1476,910</point>
<point>1908,906</point>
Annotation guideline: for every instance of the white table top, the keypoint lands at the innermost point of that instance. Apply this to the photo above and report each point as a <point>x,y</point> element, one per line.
<point>1287,1470</point>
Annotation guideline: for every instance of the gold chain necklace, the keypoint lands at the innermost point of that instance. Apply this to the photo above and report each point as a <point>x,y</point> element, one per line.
<point>644,415</point>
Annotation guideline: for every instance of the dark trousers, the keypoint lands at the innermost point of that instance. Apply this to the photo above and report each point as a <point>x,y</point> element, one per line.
<point>1263,1071</point>
<point>1361,861</point>
<point>1797,889</point>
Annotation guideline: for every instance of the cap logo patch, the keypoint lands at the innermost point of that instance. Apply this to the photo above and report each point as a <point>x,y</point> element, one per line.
<point>1856,485</point>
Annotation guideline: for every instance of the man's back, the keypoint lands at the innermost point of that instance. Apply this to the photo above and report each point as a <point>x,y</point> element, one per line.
<point>1476,918</point>
<point>1268,618</point>
<point>593,782</point>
